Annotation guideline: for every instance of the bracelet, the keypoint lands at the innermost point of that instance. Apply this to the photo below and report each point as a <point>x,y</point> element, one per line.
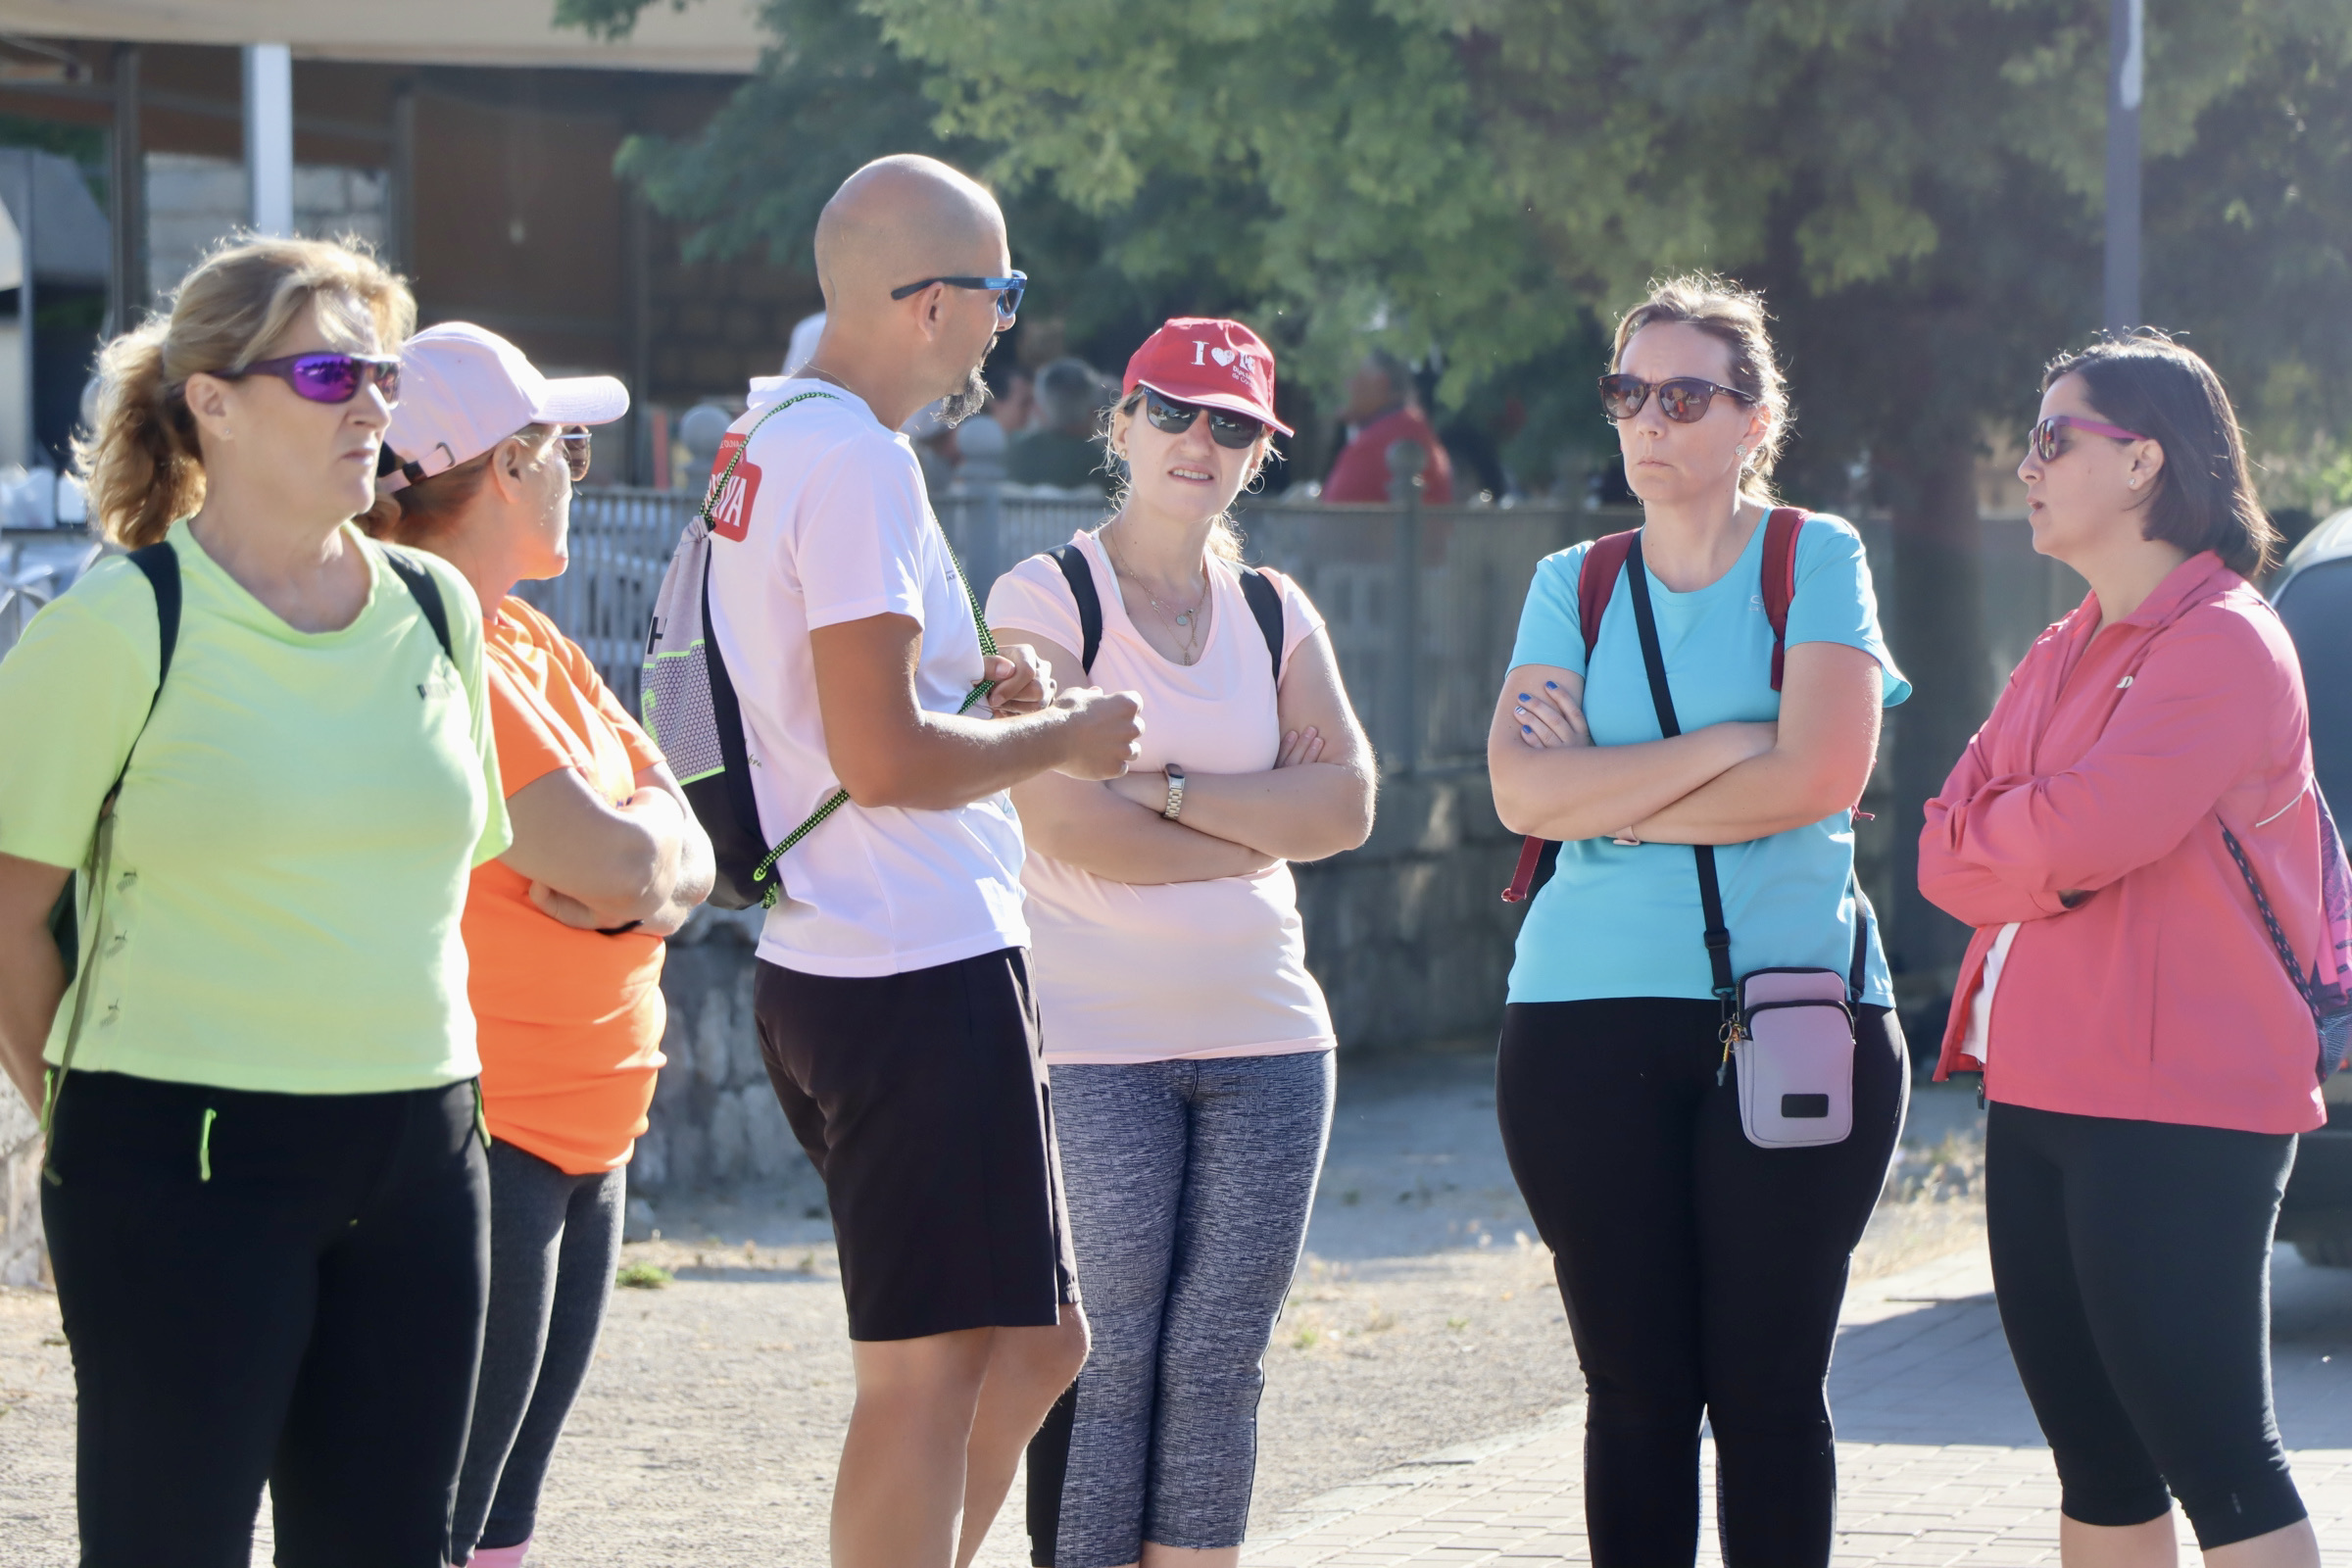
<point>1175,805</point>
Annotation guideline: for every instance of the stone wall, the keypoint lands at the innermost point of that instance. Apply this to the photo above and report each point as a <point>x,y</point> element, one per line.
<point>22,1257</point>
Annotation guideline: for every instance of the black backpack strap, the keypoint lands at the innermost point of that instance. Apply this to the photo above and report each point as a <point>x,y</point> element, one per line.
<point>1710,889</point>
<point>1266,603</point>
<point>159,563</point>
<point>1081,576</point>
<point>726,716</point>
<point>428,592</point>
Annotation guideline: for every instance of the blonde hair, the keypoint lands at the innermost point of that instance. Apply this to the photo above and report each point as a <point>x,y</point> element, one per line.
<point>1224,536</point>
<point>143,464</point>
<point>421,513</point>
<point>1734,317</point>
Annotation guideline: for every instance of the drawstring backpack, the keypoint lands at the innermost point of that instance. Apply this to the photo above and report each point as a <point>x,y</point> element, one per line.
<point>690,705</point>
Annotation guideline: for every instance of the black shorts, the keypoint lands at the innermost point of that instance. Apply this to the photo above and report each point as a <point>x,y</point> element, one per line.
<point>921,1100</point>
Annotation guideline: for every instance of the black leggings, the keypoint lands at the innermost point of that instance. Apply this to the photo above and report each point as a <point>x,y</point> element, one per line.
<point>2132,1263</point>
<point>1703,1275</point>
<point>554,1241</point>
<point>308,1313</point>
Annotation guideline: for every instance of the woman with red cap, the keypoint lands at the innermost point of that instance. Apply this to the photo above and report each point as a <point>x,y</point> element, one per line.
<point>1190,1049</point>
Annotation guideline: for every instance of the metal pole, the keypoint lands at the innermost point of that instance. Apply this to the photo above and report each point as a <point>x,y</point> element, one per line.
<point>126,180</point>
<point>2127,54</point>
<point>400,240</point>
<point>28,234</point>
<point>270,137</point>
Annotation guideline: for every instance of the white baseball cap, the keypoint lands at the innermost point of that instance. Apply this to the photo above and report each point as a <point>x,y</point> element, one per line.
<point>464,389</point>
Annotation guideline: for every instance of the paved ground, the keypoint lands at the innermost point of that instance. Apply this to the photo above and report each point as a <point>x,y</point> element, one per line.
<point>1425,1322</point>
<point>1939,1460</point>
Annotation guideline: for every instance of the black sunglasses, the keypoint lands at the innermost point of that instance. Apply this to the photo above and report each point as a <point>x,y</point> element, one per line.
<point>327,378</point>
<point>1008,290</point>
<point>1235,432</point>
<point>1685,398</point>
<point>575,440</point>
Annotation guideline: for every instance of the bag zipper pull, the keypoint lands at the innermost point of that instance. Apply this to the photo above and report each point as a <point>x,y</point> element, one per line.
<point>1732,1035</point>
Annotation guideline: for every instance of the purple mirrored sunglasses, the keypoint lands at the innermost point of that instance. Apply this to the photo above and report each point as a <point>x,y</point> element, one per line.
<point>330,377</point>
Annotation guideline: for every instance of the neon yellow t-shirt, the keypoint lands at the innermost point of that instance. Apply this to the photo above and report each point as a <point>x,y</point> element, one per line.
<point>293,842</point>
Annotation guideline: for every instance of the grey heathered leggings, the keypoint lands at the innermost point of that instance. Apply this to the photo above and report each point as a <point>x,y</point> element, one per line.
<point>553,1239</point>
<point>1189,1189</point>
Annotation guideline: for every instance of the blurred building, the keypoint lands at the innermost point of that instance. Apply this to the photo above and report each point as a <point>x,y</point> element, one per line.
<point>470,140</point>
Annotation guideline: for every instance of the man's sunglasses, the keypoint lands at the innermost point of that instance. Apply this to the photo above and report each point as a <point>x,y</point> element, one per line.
<point>328,377</point>
<point>1236,432</point>
<point>1008,290</point>
<point>1685,398</point>
<point>575,442</point>
<point>2043,437</point>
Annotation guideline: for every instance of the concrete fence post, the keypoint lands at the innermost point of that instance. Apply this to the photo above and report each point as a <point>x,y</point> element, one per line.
<point>1406,460</point>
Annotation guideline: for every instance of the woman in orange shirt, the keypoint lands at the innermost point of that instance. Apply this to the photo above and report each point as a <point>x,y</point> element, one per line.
<point>564,930</point>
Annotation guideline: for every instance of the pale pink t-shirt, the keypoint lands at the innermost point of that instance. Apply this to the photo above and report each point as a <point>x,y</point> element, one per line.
<point>1187,969</point>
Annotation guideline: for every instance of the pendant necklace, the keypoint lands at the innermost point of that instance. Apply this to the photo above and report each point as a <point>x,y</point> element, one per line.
<point>1182,620</point>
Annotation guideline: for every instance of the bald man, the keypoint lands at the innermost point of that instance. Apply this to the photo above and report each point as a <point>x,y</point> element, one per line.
<point>893,992</point>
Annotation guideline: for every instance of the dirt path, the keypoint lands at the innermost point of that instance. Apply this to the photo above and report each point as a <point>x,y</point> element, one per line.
<point>1425,1316</point>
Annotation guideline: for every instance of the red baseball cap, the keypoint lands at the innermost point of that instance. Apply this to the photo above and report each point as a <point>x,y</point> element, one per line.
<point>1208,360</point>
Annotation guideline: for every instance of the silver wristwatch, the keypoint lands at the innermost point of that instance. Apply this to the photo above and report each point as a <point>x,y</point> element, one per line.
<point>1175,805</point>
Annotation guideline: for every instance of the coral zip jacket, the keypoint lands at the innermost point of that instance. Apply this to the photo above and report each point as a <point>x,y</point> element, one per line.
<point>2108,766</point>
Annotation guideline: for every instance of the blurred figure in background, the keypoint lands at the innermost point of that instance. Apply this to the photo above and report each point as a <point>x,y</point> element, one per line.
<point>1061,448</point>
<point>802,348</point>
<point>1014,404</point>
<point>1383,410</point>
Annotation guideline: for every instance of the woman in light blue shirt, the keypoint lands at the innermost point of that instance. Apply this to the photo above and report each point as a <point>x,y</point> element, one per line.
<point>1702,1273</point>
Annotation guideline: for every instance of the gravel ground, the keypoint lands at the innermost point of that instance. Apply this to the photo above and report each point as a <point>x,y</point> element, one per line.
<point>1425,1316</point>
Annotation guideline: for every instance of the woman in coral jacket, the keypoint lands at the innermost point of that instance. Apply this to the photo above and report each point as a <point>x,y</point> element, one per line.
<point>2147,1060</point>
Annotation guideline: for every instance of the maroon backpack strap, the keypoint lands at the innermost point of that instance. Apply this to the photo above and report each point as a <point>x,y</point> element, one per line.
<point>1779,579</point>
<point>1597,581</point>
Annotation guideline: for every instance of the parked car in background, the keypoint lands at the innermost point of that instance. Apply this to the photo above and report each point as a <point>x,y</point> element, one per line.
<point>2313,593</point>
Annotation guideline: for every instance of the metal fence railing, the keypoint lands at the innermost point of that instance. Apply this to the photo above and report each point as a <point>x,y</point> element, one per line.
<point>1423,650</point>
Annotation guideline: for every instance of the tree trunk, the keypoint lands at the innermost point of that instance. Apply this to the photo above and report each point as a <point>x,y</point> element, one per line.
<point>1936,632</point>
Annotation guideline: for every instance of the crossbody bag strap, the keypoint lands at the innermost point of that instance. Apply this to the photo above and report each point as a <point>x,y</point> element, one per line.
<point>2279,942</point>
<point>1710,889</point>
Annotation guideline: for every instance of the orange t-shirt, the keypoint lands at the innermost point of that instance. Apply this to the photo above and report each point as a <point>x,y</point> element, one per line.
<point>570,1020</point>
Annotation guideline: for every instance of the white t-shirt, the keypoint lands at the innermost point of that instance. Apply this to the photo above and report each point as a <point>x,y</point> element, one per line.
<point>825,521</point>
<point>1185,969</point>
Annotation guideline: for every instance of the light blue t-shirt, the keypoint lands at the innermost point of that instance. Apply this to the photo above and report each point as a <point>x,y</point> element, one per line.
<point>1618,920</point>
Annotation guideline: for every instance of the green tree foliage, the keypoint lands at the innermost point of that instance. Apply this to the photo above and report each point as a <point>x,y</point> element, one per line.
<point>1915,184</point>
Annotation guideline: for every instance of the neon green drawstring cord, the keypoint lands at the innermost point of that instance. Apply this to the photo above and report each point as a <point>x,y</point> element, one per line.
<point>204,1146</point>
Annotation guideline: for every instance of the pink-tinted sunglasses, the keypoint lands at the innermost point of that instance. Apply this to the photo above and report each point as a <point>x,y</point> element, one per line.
<point>2043,438</point>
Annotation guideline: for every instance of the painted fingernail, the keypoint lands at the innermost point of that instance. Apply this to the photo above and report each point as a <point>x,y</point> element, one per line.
<point>1527,729</point>
<point>1523,697</point>
<point>1551,685</point>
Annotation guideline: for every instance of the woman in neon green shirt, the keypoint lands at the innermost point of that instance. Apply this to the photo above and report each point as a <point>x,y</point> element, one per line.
<point>265,1196</point>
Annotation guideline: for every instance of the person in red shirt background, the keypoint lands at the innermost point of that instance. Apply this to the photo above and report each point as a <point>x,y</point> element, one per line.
<point>1382,409</point>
